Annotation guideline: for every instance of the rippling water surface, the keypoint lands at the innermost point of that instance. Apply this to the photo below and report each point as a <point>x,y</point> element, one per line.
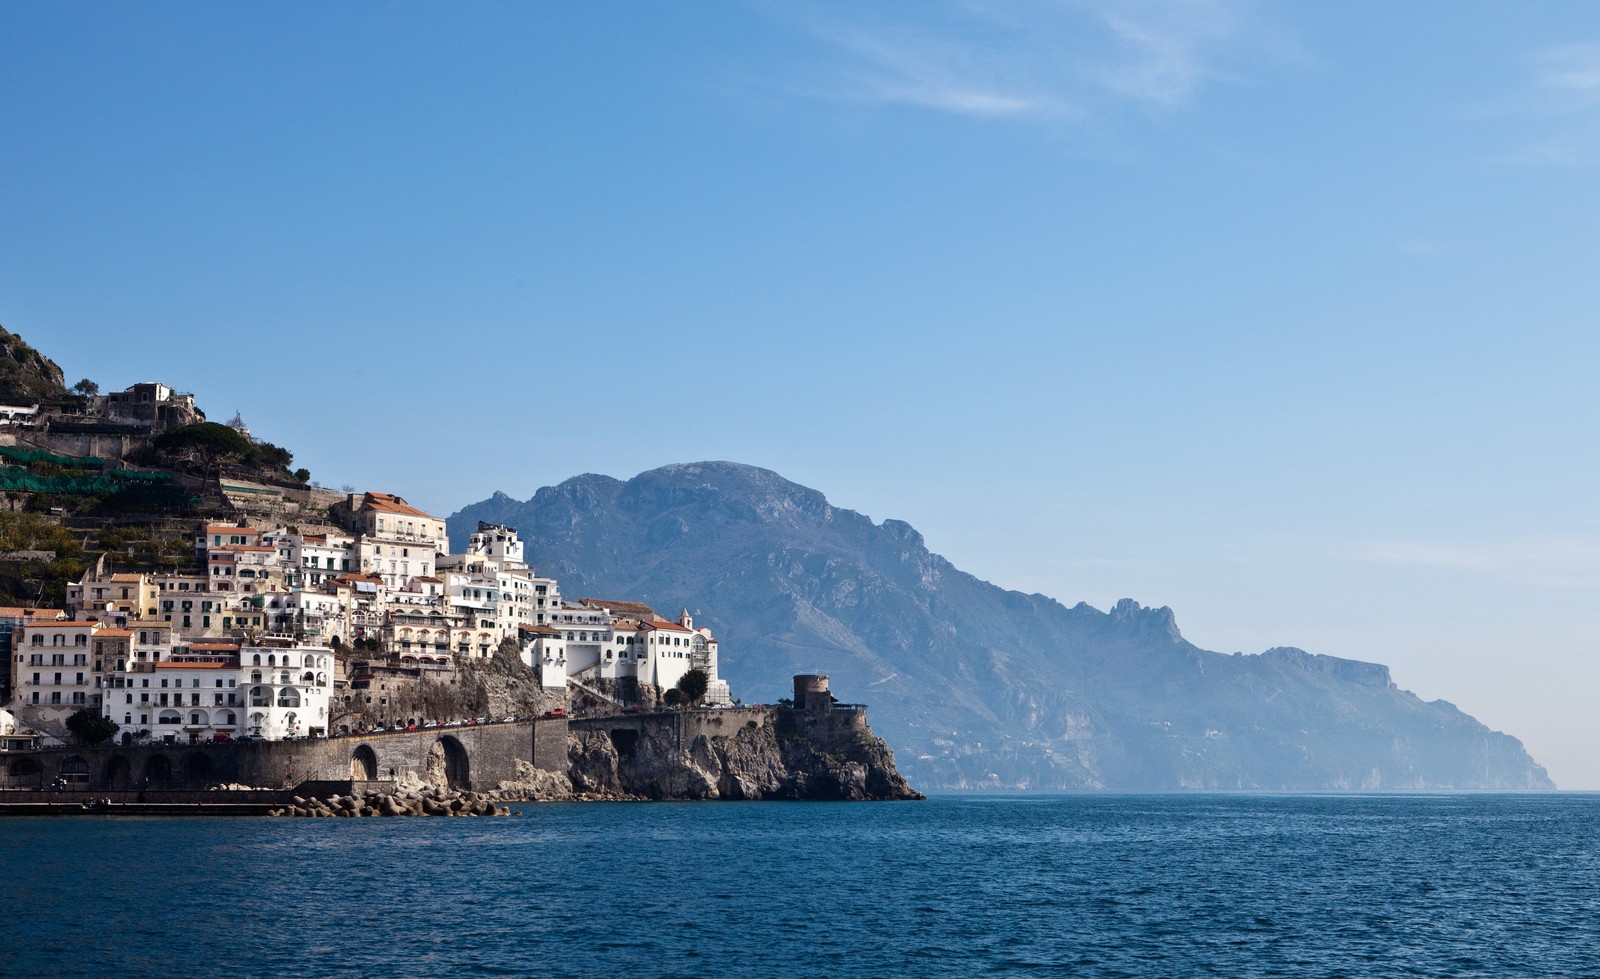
<point>1061,885</point>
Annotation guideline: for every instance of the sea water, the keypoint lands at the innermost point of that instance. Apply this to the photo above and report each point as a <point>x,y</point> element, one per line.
<point>1080,885</point>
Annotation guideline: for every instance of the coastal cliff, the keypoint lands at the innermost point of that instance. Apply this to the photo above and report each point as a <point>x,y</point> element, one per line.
<point>792,758</point>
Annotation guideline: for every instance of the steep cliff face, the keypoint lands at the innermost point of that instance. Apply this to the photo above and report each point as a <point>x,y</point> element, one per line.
<point>976,686</point>
<point>784,760</point>
<point>26,375</point>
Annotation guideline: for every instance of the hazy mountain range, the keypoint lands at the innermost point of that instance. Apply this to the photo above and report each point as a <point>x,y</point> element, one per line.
<point>972,685</point>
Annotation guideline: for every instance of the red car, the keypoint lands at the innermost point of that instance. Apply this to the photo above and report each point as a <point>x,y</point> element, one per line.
<point>558,712</point>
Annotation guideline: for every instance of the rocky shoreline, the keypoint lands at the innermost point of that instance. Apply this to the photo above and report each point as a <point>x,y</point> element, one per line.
<point>803,756</point>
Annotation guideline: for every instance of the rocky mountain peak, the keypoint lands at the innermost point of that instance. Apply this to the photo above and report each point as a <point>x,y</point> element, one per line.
<point>974,685</point>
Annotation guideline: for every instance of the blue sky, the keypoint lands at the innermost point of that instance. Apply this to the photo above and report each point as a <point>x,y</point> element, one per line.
<point>1283,315</point>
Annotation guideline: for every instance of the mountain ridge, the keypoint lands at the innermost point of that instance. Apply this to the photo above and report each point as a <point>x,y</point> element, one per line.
<point>979,686</point>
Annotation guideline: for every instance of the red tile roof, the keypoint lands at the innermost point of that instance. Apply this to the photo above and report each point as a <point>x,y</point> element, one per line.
<point>18,612</point>
<point>389,503</point>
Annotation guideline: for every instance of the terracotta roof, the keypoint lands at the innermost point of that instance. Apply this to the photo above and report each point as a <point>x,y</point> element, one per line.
<point>428,577</point>
<point>226,528</point>
<point>243,547</point>
<point>215,647</point>
<point>113,633</point>
<point>543,630</point>
<point>389,503</point>
<point>18,612</point>
<point>208,665</point>
<point>126,577</point>
<point>638,609</point>
<point>68,624</point>
<point>664,624</point>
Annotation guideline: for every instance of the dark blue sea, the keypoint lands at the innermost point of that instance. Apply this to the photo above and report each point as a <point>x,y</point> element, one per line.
<point>1070,885</point>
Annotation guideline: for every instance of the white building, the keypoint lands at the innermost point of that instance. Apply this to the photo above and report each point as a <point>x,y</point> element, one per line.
<point>611,640</point>
<point>216,689</point>
<point>53,672</point>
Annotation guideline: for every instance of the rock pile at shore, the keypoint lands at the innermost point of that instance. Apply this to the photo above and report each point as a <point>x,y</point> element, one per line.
<point>429,800</point>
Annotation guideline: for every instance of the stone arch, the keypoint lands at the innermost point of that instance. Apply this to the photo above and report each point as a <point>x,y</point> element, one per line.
<point>157,772</point>
<point>448,764</point>
<point>25,773</point>
<point>74,772</point>
<point>118,772</point>
<point>364,764</point>
<point>196,770</point>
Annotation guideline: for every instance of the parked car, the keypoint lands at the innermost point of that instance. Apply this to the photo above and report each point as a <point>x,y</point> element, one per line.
<point>558,712</point>
<point>222,736</point>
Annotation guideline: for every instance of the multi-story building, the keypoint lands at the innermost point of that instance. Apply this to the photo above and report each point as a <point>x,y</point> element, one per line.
<point>111,596</point>
<point>12,620</point>
<point>611,640</point>
<point>54,672</point>
<point>396,540</point>
<point>220,689</point>
<point>245,568</point>
<point>311,559</point>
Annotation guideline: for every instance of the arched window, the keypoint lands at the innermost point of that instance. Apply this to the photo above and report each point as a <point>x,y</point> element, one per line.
<point>272,660</point>
<point>288,697</point>
<point>256,661</point>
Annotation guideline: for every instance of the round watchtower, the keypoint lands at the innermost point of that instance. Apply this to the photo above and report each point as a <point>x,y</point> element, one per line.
<point>811,692</point>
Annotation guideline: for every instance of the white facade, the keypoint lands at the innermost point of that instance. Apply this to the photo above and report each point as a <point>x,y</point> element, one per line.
<point>53,671</point>
<point>213,689</point>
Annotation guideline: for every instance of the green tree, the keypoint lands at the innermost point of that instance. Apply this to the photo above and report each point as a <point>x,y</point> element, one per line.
<point>86,387</point>
<point>88,727</point>
<point>206,444</point>
<point>692,686</point>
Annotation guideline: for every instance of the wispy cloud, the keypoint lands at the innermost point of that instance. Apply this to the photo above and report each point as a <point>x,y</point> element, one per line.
<point>1557,562</point>
<point>934,73</point>
<point>1561,97</point>
<point>1167,51</point>
<point>1568,78</point>
<point>1046,59</point>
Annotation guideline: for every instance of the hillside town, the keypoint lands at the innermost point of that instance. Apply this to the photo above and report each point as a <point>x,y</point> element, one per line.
<point>281,630</point>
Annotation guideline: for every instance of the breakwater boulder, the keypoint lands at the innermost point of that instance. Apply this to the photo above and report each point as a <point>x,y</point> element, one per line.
<point>425,800</point>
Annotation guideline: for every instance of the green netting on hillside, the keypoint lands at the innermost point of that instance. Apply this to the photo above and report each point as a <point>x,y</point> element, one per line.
<point>30,456</point>
<point>17,478</point>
